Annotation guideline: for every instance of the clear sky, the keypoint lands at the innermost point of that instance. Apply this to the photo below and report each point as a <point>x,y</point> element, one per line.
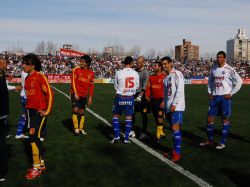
<point>158,24</point>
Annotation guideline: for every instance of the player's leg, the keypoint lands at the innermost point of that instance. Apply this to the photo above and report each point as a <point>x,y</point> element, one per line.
<point>75,111</point>
<point>212,112</point>
<point>115,121</point>
<point>226,112</point>
<point>82,104</point>
<point>35,123</point>
<point>144,109</point>
<point>176,120</point>
<point>22,121</point>
<point>129,111</point>
<point>3,150</point>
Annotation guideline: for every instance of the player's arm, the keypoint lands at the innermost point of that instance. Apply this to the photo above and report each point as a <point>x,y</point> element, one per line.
<point>148,91</point>
<point>237,81</point>
<point>179,84</point>
<point>210,85</point>
<point>145,83</point>
<point>73,82</point>
<point>48,93</point>
<point>91,89</point>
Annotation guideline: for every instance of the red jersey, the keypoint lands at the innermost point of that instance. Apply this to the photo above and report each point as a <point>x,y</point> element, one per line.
<point>155,87</point>
<point>82,80</point>
<point>39,93</point>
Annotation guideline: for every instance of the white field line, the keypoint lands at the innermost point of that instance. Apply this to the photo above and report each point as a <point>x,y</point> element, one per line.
<point>173,165</point>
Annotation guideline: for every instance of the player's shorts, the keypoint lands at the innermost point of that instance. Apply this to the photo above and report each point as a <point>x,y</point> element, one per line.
<point>143,106</point>
<point>36,124</point>
<point>124,104</point>
<point>175,117</point>
<point>81,103</point>
<point>219,106</point>
<point>156,109</point>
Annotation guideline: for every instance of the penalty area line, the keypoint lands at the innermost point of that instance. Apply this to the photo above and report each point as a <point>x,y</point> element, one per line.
<point>171,164</point>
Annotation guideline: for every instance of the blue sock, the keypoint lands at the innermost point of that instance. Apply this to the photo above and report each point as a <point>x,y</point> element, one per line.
<point>21,125</point>
<point>210,132</point>
<point>225,131</point>
<point>177,141</point>
<point>128,128</point>
<point>116,127</point>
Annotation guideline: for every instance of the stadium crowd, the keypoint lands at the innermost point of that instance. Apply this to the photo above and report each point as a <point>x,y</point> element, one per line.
<point>106,67</point>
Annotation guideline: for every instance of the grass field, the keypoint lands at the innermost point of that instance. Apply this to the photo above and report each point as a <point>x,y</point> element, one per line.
<point>92,161</point>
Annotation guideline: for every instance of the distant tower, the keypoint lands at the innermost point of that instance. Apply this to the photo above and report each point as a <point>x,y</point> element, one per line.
<point>238,49</point>
<point>187,51</point>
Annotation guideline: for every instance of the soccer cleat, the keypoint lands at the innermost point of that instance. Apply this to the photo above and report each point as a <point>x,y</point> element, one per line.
<point>175,156</point>
<point>143,136</point>
<point>126,141</point>
<point>41,139</point>
<point>21,136</point>
<point>2,179</point>
<point>115,140</point>
<point>81,131</point>
<point>206,143</point>
<point>132,134</point>
<point>220,146</point>
<point>33,173</point>
<point>76,132</point>
<point>42,168</point>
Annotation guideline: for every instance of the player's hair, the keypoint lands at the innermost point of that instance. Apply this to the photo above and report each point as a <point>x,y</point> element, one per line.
<point>222,53</point>
<point>32,59</point>
<point>128,60</point>
<point>158,62</point>
<point>87,59</point>
<point>167,58</point>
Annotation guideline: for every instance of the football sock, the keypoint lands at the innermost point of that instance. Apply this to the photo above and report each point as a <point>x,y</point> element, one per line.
<point>35,155</point>
<point>128,128</point>
<point>210,132</point>
<point>225,131</point>
<point>159,132</point>
<point>116,127</point>
<point>20,124</point>
<point>177,141</point>
<point>82,120</point>
<point>75,120</point>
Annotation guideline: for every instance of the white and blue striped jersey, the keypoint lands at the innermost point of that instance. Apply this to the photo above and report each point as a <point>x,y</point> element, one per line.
<point>126,82</point>
<point>224,80</point>
<point>174,91</point>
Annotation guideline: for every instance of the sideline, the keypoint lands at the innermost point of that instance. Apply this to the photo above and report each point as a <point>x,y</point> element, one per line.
<point>178,168</point>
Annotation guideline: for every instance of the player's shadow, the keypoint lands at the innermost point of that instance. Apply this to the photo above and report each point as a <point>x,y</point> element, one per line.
<point>67,123</point>
<point>105,130</point>
<point>231,135</point>
<point>238,178</point>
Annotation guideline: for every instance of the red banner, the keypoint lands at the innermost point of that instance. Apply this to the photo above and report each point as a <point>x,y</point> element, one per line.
<point>71,53</point>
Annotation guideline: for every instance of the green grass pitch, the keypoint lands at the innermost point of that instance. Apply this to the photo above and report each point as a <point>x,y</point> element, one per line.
<point>92,161</point>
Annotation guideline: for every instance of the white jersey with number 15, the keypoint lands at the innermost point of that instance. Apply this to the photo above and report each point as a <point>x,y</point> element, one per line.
<point>126,82</point>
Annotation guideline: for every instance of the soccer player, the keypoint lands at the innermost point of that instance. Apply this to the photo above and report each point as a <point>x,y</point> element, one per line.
<point>141,104</point>
<point>223,83</point>
<point>22,119</point>
<point>38,106</point>
<point>174,103</point>
<point>4,112</point>
<point>154,95</point>
<point>126,82</point>
<point>82,84</point>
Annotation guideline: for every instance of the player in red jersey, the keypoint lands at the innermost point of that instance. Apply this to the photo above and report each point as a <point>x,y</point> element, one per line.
<point>39,104</point>
<point>154,94</point>
<point>82,84</point>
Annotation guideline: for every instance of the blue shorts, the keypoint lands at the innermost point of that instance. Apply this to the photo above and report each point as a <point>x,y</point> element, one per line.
<point>124,103</point>
<point>175,117</point>
<point>219,106</point>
